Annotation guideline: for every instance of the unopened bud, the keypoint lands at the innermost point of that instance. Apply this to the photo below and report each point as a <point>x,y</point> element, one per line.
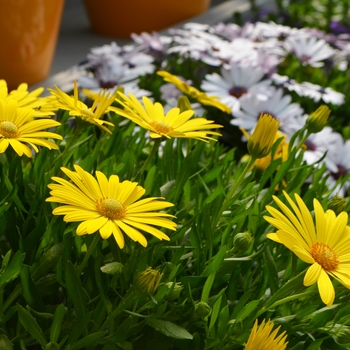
<point>337,204</point>
<point>242,241</point>
<point>184,104</point>
<point>343,336</point>
<point>147,282</point>
<point>318,119</point>
<point>202,309</point>
<point>175,290</point>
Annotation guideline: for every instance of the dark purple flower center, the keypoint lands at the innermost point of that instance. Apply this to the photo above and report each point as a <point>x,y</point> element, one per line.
<point>107,84</point>
<point>237,91</point>
<point>342,171</point>
<point>265,112</point>
<point>305,58</point>
<point>310,146</point>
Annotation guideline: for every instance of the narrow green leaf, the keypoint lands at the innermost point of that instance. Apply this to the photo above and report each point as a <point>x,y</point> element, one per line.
<point>29,323</point>
<point>57,323</point>
<point>13,269</point>
<point>207,287</point>
<point>248,309</point>
<point>75,291</point>
<point>88,341</point>
<point>29,290</point>
<point>169,329</point>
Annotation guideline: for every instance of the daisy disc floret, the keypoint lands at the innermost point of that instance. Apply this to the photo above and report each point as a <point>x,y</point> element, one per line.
<point>173,124</point>
<point>19,129</point>
<point>109,206</point>
<point>79,109</point>
<point>324,243</point>
<point>263,338</point>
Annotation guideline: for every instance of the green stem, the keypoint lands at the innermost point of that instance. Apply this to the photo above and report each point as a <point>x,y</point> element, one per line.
<point>70,143</point>
<point>150,156</point>
<point>88,253</point>
<point>285,300</point>
<point>234,189</point>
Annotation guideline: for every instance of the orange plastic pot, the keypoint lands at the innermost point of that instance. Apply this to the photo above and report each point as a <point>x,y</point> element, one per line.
<point>29,31</point>
<point>119,19</point>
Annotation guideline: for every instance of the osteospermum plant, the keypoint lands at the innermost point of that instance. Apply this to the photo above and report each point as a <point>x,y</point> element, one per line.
<point>148,238</point>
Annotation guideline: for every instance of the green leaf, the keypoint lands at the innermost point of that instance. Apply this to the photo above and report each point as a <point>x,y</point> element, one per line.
<point>29,290</point>
<point>75,291</point>
<point>169,329</point>
<point>216,263</point>
<point>29,323</point>
<point>88,341</point>
<point>248,309</point>
<point>57,323</point>
<point>215,312</point>
<point>47,261</point>
<point>13,269</point>
<point>207,287</point>
<point>5,342</point>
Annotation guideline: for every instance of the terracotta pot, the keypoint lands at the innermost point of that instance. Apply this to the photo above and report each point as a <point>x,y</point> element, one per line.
<point>29,31</point>
<point>118,18</point>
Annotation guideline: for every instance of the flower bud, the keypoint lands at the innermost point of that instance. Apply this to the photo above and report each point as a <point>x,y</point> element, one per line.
<point>147,282</point>
<point>184,104</point>
<point>202,309</point>
<point>175,290</point>
<point>343,336</point>
<point>263,137</point>
<point>242,241</point>
<point>318,119</point>
<point>337,204</point>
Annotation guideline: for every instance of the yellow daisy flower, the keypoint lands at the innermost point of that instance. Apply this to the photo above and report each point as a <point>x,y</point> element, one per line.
<point>193,92</point>
<point>173,124</point>
<point>147,281</point>
<point>261,338</point>
<point>108,206</point>
<point>324,244</point>
<point>18,128</point>
<point>42,106</point>
<point>79,109</point>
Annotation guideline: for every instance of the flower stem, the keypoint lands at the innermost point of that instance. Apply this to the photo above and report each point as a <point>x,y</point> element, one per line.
<point>88,253</point>
<point>150,156</point>
<point>233,190</point>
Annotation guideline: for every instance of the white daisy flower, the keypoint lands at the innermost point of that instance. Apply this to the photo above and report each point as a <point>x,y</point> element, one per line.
<point>288,83</point>
<point>317,93</point>
<point>274,103</point>
<point>340,156</point>
<point>232,84</point>
<point>309,50</point>
<point>318,144</point>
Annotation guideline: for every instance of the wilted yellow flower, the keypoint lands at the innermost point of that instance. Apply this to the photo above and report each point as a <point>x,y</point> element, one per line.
<point>318,119</point>
<point>108,206</point>
<point>263,137</point>
<point>19,129</point>
<point>79,109</point>
<point>261,338</point>
<point>324,244</point>
<point>42,106</point>
<point>174,124</point>
<point>147,282</point>
<point>193,92</point>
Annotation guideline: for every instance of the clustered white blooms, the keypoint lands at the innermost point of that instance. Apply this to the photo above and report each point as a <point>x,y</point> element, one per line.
<point>242,72</point>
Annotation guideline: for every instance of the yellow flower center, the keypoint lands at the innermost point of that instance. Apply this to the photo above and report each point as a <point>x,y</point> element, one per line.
<point>161,127</point>
<point>325,256</point>
<point>110,208</point>
<point>8,129</point>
